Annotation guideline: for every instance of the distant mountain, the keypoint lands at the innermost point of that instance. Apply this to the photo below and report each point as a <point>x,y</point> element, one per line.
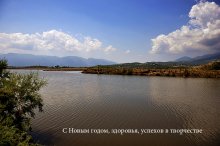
<point>185,58</point>
<point>206,58</point>
<point>32,60</point>
<point>200,59</point>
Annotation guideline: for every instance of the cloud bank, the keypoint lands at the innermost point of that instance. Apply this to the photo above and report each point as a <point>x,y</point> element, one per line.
<point>50,41</point>
<point>201,34</point>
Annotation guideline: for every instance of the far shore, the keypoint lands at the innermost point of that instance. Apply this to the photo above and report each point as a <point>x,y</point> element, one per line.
<point>209,70</point>
<point>50,68</point>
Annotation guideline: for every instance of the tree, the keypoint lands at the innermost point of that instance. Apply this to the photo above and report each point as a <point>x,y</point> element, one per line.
<point>3,66</point>
<point>19,97</point>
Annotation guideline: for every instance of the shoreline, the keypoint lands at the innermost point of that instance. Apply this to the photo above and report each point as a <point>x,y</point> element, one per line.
<point>50,68</point>
<point>163,73</point>
<point>210,70</point>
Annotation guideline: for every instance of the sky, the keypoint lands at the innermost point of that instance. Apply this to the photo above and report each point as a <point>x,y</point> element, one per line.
<point>116,30</point>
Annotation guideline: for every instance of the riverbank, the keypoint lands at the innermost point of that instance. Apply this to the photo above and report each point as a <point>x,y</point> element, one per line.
<point>210,70</point>
<point>191,72</point>
<point>50,68</point>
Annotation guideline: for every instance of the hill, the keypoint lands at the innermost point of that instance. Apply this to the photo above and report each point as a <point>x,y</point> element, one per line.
<point>199,59</point>
<point>42,60</point>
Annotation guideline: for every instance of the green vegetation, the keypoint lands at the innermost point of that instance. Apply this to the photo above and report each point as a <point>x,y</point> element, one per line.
<point>172,69</point>
<point>19,98</point>
<point>211,66</point>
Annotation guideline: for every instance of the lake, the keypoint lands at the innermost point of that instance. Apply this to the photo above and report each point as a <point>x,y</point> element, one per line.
<point>90,101</point>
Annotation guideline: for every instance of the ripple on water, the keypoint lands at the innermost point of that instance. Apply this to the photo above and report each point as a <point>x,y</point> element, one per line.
<point>106,101</point>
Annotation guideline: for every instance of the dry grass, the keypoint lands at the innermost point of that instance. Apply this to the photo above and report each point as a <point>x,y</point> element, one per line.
<point>210,70</point>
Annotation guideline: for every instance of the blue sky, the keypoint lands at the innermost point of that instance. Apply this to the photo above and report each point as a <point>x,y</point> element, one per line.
<point>126,27</point>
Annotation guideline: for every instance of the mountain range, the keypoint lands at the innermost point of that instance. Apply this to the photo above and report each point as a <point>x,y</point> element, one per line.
<point>199,59</point>
<point>20,60</point>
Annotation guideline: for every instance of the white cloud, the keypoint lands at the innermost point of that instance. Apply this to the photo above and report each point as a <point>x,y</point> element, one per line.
<point>127,51</point>
<point>91,44</point>
<point>52,40</point>
<point>201,34</point>
<point>109,49</point>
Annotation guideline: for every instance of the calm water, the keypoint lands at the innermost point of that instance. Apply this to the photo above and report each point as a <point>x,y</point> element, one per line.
<point>72,99</point>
